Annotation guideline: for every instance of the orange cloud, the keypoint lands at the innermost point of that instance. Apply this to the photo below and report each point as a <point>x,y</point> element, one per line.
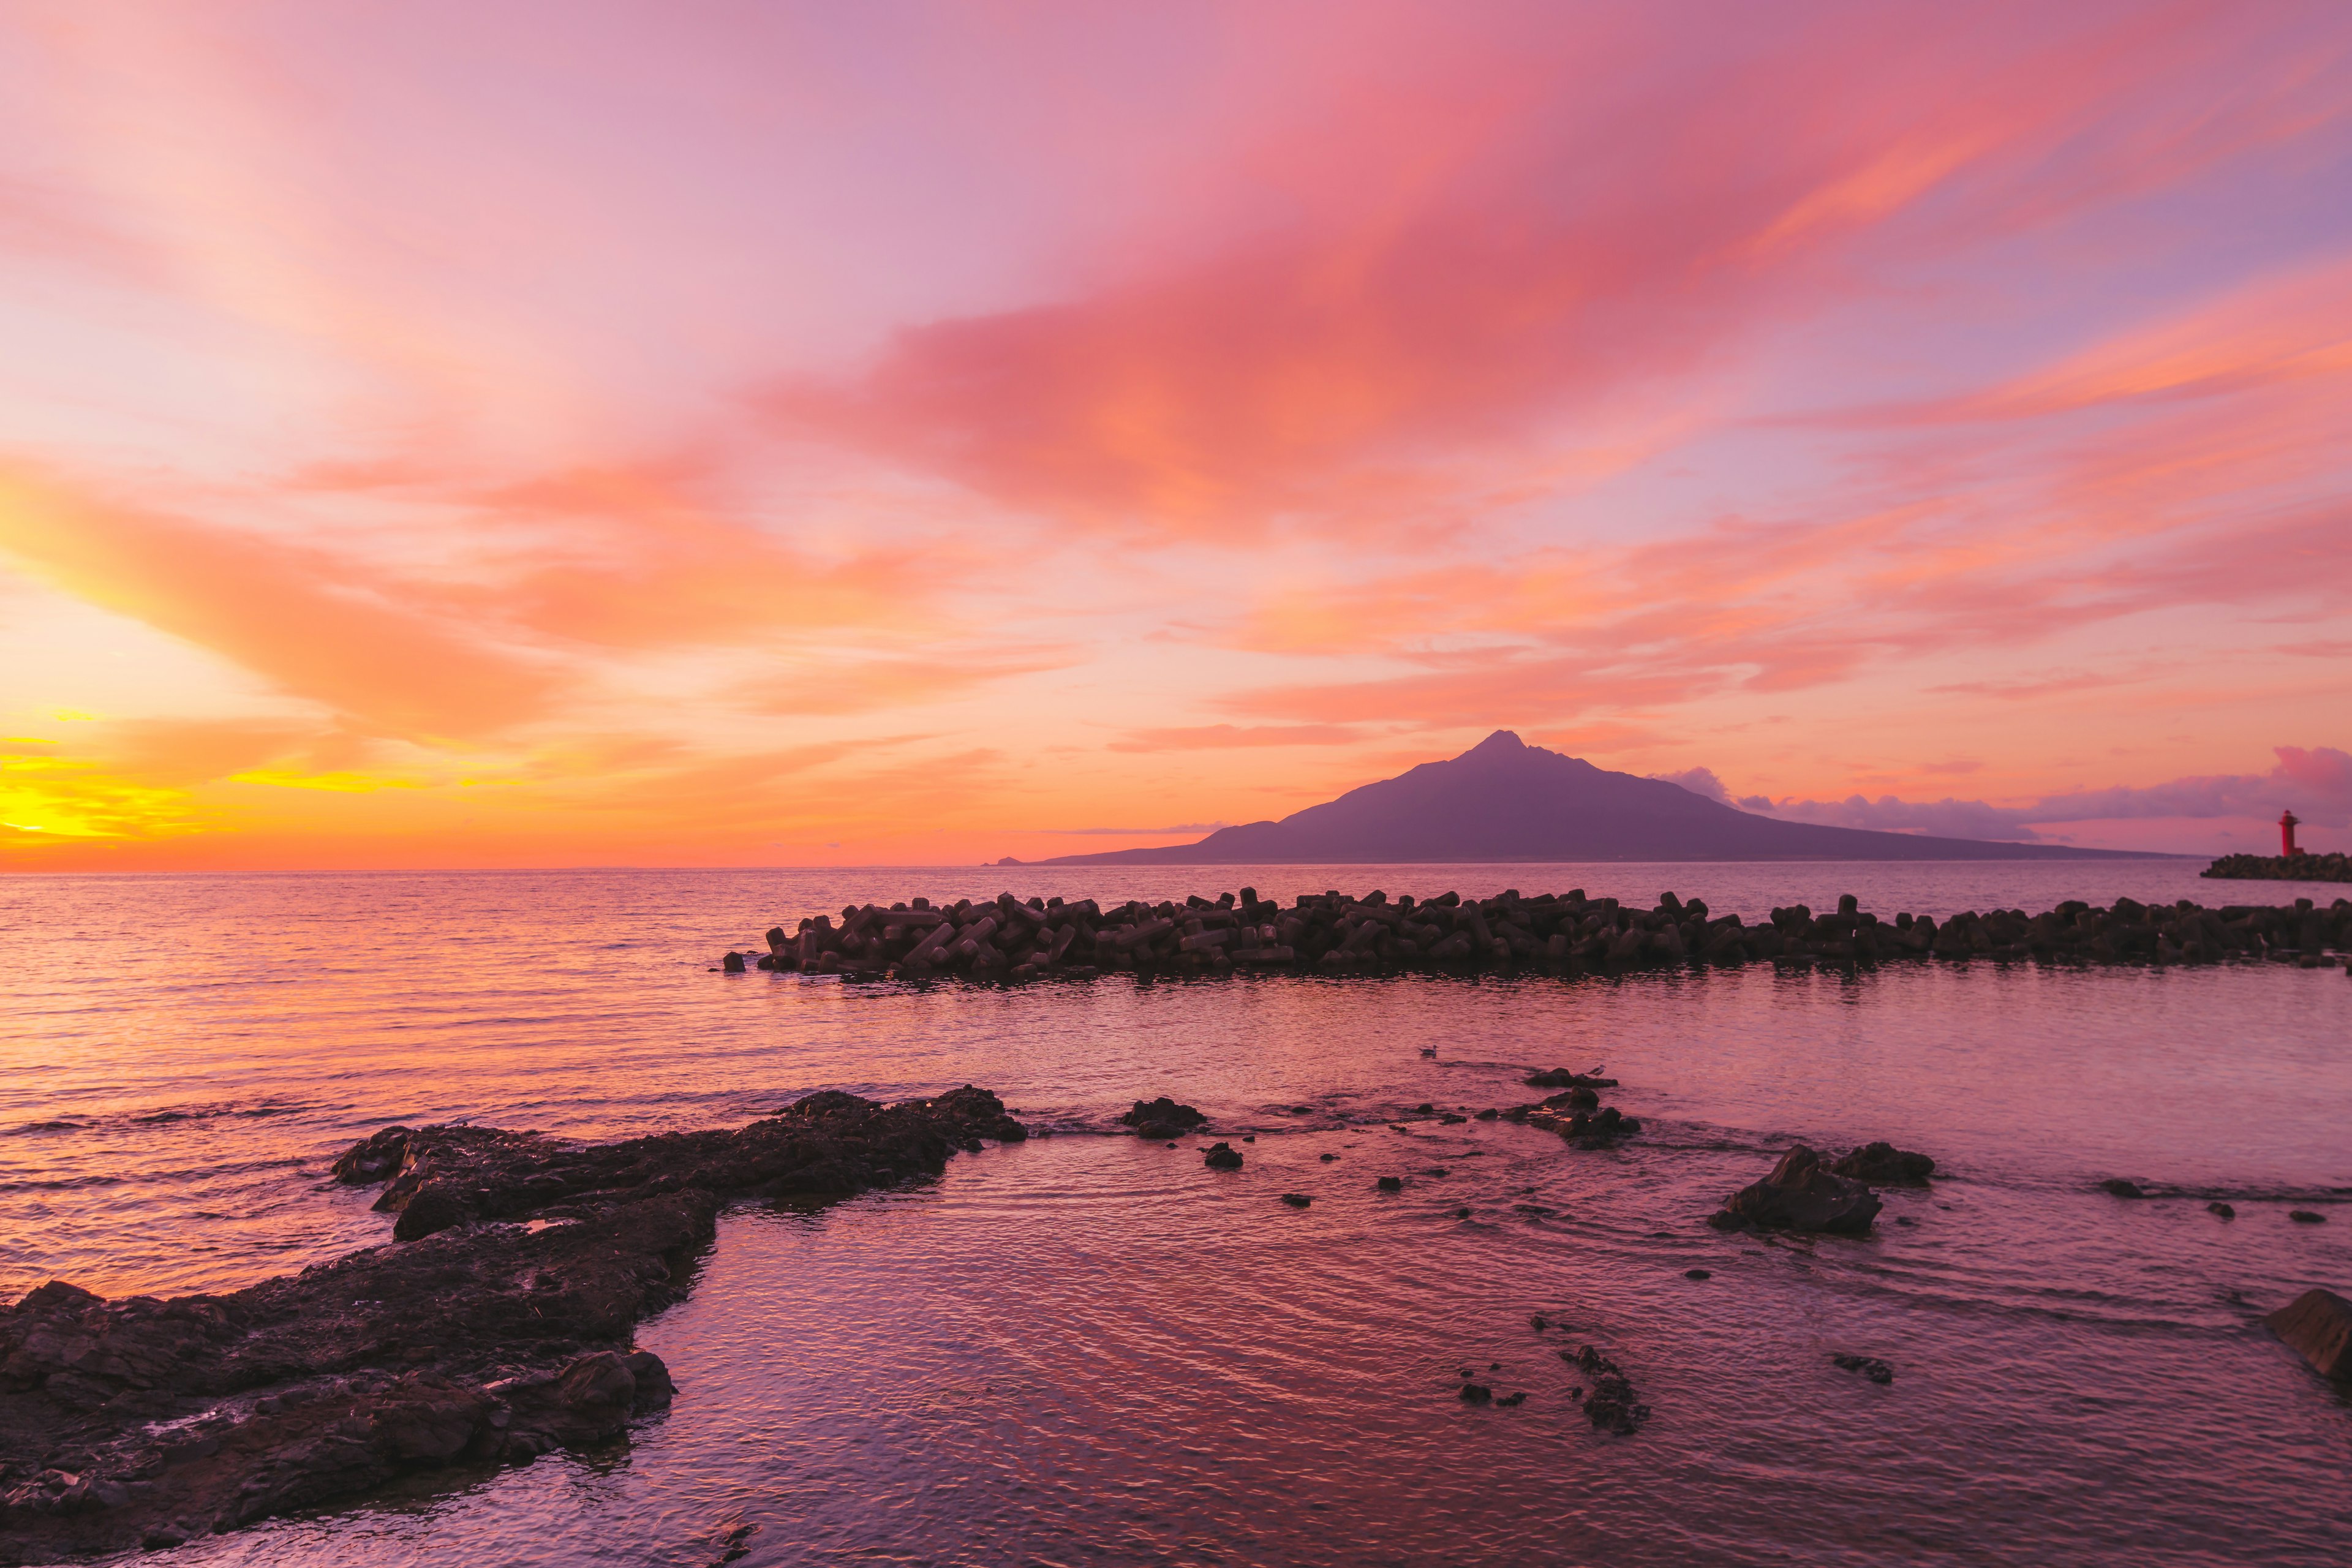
<point>310,622</point>
<point>632,558</point>
<point>845,684</point>
<point>1224,737</point>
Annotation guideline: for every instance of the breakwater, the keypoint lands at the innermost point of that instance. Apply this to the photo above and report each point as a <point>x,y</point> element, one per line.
<point>2333,867</point>
<point>1335,933</point>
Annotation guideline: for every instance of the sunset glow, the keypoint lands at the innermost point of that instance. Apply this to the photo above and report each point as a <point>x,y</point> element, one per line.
<point>555,434</point>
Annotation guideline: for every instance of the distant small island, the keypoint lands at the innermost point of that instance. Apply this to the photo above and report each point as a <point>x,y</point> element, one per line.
<point>2333,868</point>
<point>1503,800</point>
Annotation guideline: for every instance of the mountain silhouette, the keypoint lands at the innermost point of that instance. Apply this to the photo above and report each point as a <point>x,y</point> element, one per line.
<point>1506,800</point>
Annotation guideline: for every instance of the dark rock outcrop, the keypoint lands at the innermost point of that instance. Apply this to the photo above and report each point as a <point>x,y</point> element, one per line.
<point>2118,1187</point>
<point>1884,1165</point>
<point>141,1421</point>
<point>1222,1157</point>
<point>1802,1194</point>
<point>2317,1326</point>
<point>1162,1119</point>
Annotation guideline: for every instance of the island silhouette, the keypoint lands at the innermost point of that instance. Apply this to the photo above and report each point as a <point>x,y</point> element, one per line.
<point>1505,800</point>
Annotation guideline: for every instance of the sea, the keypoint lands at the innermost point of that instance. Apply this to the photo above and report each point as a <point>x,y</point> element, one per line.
<point>1089,1348</point>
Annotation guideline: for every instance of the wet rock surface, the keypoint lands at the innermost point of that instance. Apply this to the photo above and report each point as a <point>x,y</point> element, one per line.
<point>467,1341</point>
<point>1335,933</point>
<point>1560,1078</point>
<point>1162,1117</point>
<point>1803,1194</point>
<point>2317,1326</point>
<point>1222,1157</point>
<point>1882,1165</point>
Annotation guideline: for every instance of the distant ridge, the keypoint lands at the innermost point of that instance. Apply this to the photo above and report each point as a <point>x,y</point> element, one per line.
<point>1506,800</point>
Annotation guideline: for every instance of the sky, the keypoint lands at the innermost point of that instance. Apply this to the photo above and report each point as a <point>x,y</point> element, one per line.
<point>588,433</point>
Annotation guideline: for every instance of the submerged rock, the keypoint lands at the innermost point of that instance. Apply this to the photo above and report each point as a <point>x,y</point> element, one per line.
<point>1560,1078</point>
<point>1296,1200</point>
<point>1610,1402</point>
<point>1870,1366</point>
<point>2115,1186</point>
<point>1802,1194</point>
<point>1884,1165</point>
<point>2317,1326</point>
<point>1390,1184</point>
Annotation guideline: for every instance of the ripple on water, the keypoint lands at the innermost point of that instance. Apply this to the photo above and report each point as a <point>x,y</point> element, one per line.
<point>1093,1349</point>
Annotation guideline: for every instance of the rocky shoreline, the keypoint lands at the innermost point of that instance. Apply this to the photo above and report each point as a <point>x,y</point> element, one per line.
<point>497,1326</point>
<point>1331,933</point>
<point>2331,868</point>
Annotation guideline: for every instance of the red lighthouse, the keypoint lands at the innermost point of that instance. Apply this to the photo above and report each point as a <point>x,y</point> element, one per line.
<point>2286,834</point>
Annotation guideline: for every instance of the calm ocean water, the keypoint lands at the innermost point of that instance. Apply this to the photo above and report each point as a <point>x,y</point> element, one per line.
<point>1087,1349</point>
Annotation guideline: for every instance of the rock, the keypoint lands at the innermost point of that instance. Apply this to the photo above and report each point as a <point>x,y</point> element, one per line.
<point>2307,1217</point>
<point>1610,1402</point>
<point>2118,1187</point>
<point>1509,1399</point>
<point>1327,1157</point>
<point>1538,1322</point>
<point>1884,1165</point>
<point>732,964</point>
<point>649,1376</point>
<point>1476,1393</point>
<point>1699,1274</point>
<point>1870,1367</point>
<point>2224,1210</point>
<point>1461,1213</point>
<point>1162,1119</point>
<point>1560,1078</point>
<point>2318,1325</point>
<point>1390,1184</point>
<point>509,1340</point>
<point>1802,1194</point>
<point>1296,1200</point>
<point>1222,1157</point>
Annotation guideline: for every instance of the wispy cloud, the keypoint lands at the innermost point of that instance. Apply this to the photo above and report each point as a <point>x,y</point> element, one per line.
<point>1160,409</point>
